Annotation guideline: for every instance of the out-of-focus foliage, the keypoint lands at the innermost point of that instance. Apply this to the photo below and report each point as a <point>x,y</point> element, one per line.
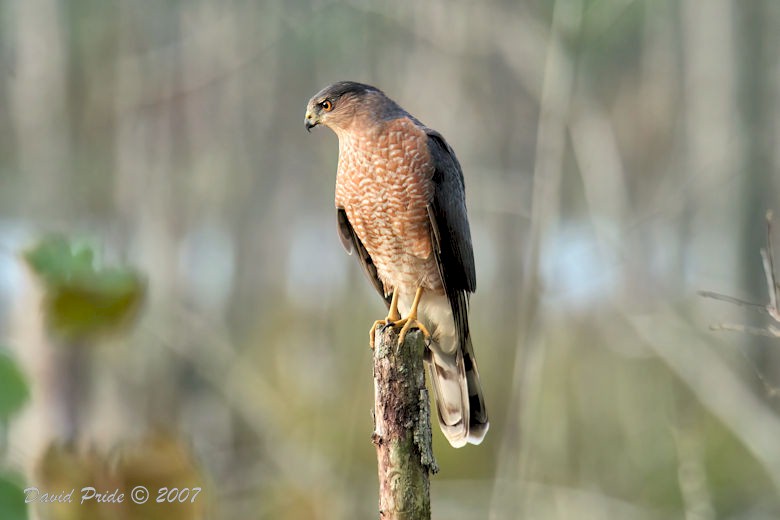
<point>12,506</point>
<point>13,386</point>
<point>62,469</point>
<point>618,157</point>
<point>156,461</point>
<point>83,301</point>
<point>14,392</point>
<point>163,461</point>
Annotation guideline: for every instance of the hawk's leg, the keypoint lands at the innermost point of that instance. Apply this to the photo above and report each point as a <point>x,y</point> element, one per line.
<point>411,320</point>
<point>393,317</point>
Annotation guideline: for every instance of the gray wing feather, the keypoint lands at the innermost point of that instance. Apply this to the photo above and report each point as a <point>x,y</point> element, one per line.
<point>450,230</point>
<point>449,221</point>
<point>351,243</point>
<point>454,253</point>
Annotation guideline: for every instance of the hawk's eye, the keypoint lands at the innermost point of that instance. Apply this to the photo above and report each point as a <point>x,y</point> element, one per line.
<point>327,105</point>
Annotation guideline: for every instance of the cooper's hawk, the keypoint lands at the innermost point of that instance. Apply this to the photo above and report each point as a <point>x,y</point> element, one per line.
<point>401,206</point>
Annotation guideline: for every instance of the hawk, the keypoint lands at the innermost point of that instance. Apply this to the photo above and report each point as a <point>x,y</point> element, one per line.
<point>401,207</point>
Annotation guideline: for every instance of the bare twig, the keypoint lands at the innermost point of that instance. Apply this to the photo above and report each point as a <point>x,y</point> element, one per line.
<point>771,309</point>
<point>770,332</point>
<point>767,258</point>
<point>769,269</point>
<point>718,387</point>
<point>731,299</point>
<point>770,389</point>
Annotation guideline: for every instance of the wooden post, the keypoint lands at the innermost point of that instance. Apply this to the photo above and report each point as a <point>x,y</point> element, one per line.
<point>402,427</point>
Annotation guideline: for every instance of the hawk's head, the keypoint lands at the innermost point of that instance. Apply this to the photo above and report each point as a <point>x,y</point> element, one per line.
<point>339,105</point>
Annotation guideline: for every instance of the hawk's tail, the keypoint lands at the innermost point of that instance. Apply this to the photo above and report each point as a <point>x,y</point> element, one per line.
<point>459,400</point>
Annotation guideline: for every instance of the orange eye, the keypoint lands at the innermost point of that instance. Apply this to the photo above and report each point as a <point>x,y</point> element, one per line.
<point>327,105</point>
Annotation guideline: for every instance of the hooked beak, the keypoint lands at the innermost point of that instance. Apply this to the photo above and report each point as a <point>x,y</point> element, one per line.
<point>310,122</point>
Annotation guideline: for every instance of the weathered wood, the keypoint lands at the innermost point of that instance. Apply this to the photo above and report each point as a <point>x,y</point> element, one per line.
<point>402,427</point>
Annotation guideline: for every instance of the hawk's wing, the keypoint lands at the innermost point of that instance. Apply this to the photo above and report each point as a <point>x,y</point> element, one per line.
<point>455,259</point>
<point>351,242</point>
<point>450,229</point>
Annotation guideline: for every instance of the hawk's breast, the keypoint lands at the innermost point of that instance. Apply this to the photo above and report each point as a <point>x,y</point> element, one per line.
<point>384,183</point>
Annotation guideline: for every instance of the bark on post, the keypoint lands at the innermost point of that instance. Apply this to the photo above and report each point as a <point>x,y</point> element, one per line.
<point>402,427</point>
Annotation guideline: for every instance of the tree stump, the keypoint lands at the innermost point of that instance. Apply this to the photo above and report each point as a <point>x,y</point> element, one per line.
<point>402,426</point>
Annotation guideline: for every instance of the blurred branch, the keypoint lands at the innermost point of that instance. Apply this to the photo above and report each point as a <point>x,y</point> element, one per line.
<point>218,62</point>
<point>768,262</point>
<point>692,476</point>
<point>717,387</point>
<point>235,379</point>
<point>402,427</point>
<point>769,270</point>
<point>769,332</point>
<point>554,114</point>
<point>731,299</point>
<point>596,150</point>
<point>520,39</point>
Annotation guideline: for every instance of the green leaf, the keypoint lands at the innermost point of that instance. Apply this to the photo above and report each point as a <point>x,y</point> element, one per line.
<point>83,301</point>
<point>57,262</point>
<point>13,387</point>
<point>12,506</point>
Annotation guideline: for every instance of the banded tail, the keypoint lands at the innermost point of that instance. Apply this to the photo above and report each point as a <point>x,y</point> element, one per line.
<point>455,381</point>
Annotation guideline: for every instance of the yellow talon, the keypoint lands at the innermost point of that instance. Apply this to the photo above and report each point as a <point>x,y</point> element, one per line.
<point>394,319</point>
<point>413,324</point>
<point>411,321</point>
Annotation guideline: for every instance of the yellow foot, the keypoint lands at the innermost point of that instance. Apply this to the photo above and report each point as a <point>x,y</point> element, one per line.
<point>372,333</point>
<point>410,323</point>
<point>394,319</point>
<point>406,324</point>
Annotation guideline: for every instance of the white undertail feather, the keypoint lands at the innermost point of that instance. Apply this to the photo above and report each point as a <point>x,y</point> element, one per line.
<point>452,372</point>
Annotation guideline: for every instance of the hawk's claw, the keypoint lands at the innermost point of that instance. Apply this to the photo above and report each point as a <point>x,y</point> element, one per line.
<point>412,323</point>
<point>371,333</point>
<point>406,324</point>
<point>394,320</point>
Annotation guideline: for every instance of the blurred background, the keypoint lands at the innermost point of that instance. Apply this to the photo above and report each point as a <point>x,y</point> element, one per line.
<point>175,305</point>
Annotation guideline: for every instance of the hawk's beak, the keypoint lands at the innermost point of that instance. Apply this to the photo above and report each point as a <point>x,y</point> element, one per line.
<point>310,122</point>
